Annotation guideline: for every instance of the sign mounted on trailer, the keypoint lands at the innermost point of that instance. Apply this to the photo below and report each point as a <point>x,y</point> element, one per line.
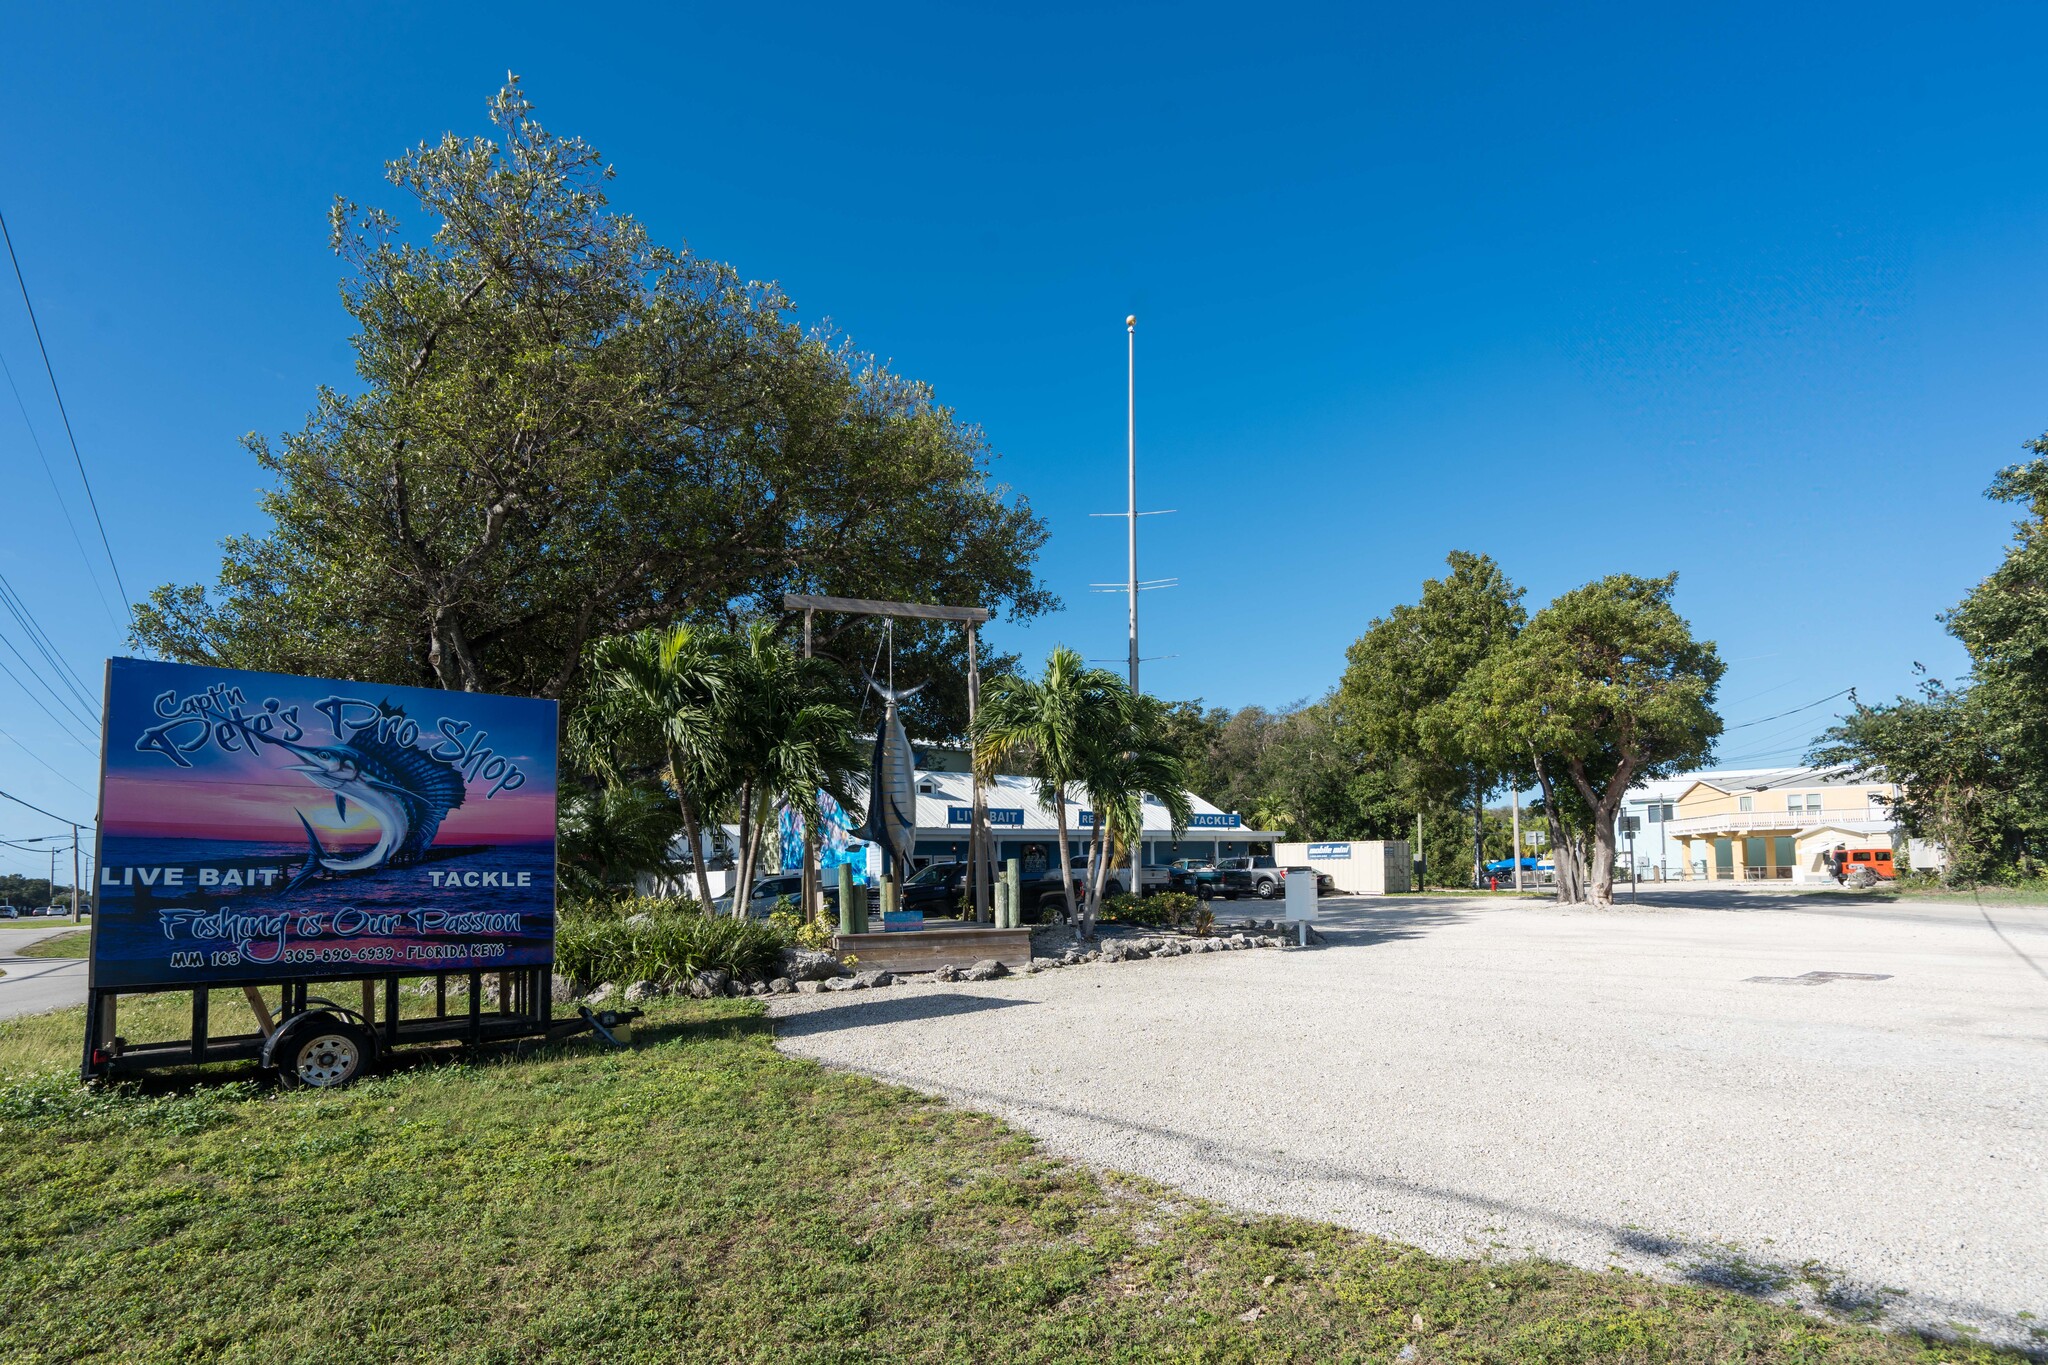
<point>263,827</point>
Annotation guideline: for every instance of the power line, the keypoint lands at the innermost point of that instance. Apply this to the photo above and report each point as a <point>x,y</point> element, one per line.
<point>46,647</point>
<point>1793,712</point>
<point>46,763</point>
<point>91,574</point>
<point>62,726</point>
<point>75,824</point>
<point>50,370</point>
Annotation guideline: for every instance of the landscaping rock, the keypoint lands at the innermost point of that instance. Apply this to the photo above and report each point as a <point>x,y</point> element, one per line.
<point>809,987</point>
<point>873,980</point>
<point>1046,964</point>
<point>757,988</point>
<point>781,985</point>
<point>642,991</point>
<point>988,969</point>
<point>560,987</point>
<point>601,994</point>
<point>805,964</point>
<point>845,983</point>
<point>706,984</point>
<point>947,973</point>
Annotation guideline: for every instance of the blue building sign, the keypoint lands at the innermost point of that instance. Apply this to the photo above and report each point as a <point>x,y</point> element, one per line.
<point>1220,820</point>
<point>997,815</point>
<point>1330,851</point>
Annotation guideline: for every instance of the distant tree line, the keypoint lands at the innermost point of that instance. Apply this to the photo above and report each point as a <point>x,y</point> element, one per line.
<point>28,892</point>
<point>1446,700</point>
<point>1972,757</point>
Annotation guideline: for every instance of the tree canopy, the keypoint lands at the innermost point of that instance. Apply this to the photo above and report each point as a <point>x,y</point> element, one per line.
<point>564,430</point>
<point>1604,688</point>
<point>1972,760</point>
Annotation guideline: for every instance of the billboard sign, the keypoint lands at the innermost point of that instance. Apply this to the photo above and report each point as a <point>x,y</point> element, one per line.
<point>256,826</point>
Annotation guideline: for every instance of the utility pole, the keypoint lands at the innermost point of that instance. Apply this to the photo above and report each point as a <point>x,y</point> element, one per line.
<point>74,874</point>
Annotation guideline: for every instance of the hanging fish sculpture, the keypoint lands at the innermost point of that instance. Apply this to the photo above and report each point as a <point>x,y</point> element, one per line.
<point>892,784</point>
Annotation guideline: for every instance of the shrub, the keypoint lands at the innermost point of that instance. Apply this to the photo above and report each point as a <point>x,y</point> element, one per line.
<point>1164,911</point>
<point>665,941</point>
<point>799,932</point>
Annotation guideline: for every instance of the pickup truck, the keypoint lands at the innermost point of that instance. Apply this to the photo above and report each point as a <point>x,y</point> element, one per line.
<point>1260,876</point>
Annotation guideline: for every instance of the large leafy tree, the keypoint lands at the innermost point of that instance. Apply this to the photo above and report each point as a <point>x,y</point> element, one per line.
<point>1972,760</point>
<point>563,430</point>
<point>1397,693</point>
<point>1604,688</point>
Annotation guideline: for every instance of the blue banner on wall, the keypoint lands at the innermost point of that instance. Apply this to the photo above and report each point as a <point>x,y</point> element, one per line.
<point>1223,820</point>
<point>1329,851</point>
<point>256,826</point>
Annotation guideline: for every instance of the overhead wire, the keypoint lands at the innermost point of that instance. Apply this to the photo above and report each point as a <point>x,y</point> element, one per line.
<point>75,824</point>
<point>45,762</point>
<point>92,502</point>
<point>43,644</point>
<point>55,719</point>
<point>91,573</point>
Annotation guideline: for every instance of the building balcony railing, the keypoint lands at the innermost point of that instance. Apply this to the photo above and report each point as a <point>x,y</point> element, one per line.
<point>1760,821</point>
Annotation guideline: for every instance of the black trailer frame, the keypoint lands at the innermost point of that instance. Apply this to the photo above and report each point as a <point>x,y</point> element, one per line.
<point>524,1009</point>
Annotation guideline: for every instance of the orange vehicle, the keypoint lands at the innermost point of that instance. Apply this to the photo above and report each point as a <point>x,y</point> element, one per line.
<point>1878,860</point>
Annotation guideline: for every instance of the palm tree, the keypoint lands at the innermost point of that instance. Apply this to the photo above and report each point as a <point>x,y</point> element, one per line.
<point>1132,759</point>
<point>663,692</point>
<point>1055,725</point>
<point>786,737</point>
<point>610,836</point>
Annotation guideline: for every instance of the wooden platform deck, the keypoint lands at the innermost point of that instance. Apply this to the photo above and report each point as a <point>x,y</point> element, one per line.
<point>925,950</point>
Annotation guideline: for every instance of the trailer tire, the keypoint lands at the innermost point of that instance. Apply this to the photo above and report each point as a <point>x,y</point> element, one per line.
<point>319,1051</point>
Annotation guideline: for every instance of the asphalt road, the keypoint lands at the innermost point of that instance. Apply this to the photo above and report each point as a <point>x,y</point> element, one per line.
<point>1663,1088</point>
<point>35,984</point>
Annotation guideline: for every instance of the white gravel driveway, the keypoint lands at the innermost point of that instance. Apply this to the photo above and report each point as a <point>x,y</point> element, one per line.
<point>1607,1088</point>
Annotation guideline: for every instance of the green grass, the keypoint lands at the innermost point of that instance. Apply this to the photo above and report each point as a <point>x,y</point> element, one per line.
<point>701,1197</point>
<point>73,944</point>
<point>2033,894</point>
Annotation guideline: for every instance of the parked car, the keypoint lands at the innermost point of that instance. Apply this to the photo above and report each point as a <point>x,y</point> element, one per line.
<point>768,892</point>
<point>10,912</point>
<point>1192,874</point>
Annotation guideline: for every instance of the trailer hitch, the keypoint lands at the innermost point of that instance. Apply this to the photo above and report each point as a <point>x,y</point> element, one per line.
<point>602,1022</point>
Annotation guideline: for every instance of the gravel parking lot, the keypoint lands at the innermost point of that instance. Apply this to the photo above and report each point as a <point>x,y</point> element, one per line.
<point>1608,1088</point>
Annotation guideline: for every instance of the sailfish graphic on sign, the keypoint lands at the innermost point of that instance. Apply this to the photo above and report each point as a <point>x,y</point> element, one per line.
<point>892,784</point>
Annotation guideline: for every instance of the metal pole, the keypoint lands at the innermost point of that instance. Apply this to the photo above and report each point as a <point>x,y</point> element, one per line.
<point>810,889</point>
<point>1517,787</point>
<point>1137,887</point>
<point>977,853</point>
<point>74,874</point>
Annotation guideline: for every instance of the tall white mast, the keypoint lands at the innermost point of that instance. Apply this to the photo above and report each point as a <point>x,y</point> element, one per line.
<point>1131,438</point>
<point>1137,885</point>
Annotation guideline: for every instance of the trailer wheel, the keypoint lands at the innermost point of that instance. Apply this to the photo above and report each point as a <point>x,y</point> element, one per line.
<point>320,1050</point>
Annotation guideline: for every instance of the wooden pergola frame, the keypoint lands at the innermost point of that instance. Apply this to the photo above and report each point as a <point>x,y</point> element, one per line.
<point>980,861</point>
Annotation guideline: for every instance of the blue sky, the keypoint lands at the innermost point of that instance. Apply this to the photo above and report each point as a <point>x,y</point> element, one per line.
<point>1752,295</point>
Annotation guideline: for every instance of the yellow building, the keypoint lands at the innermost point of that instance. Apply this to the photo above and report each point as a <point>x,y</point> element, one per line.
<point>1776,824</point>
